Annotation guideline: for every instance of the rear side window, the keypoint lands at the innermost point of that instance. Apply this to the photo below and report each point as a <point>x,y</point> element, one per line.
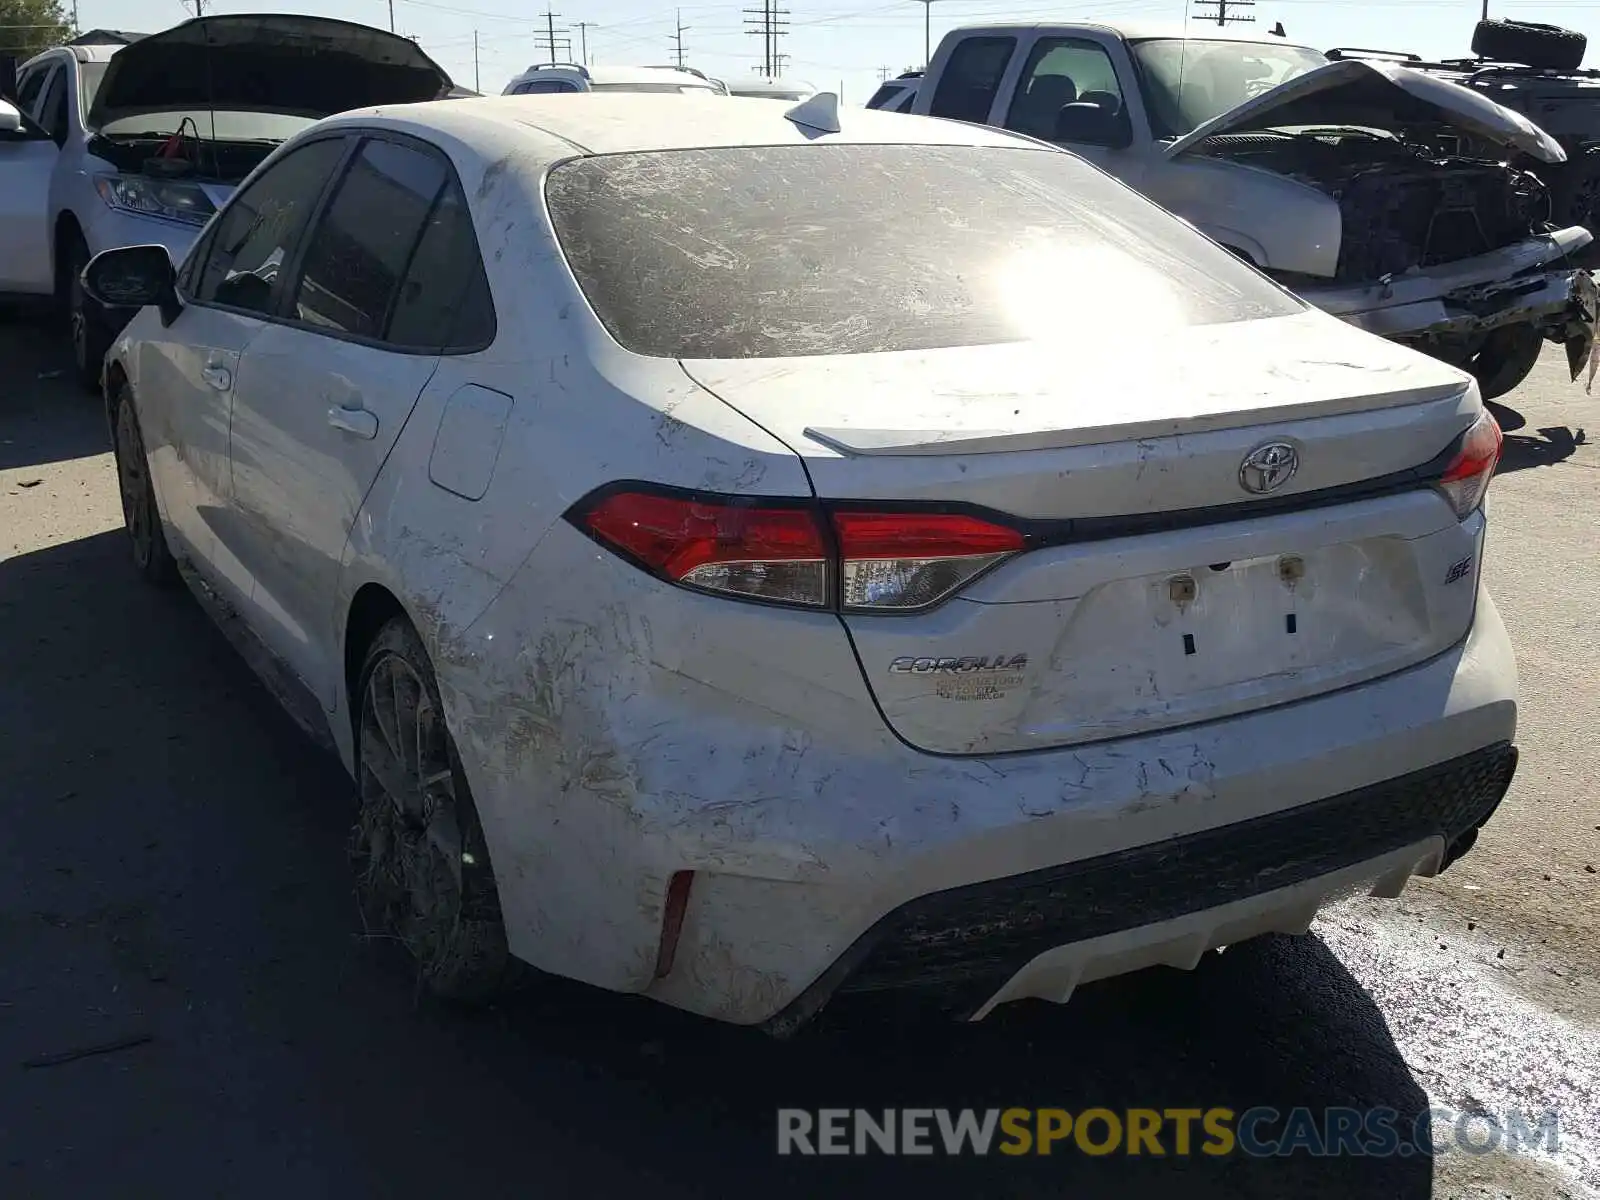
<point>971,78</point>
<point>882,97</point>
<point>29,93</point>
<point>360,249</point>
<point>444,299</point>
<point>747,252</point>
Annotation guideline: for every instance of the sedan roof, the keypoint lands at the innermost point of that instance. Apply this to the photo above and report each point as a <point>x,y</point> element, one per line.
<point>622,122</point>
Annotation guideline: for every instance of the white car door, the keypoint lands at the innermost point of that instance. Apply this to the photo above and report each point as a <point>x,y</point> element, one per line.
<point>324,392</point>
<point>27,162</point>
<point>188,371</point>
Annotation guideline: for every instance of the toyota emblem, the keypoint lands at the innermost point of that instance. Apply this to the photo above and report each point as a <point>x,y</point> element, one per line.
<point>1267,468</point>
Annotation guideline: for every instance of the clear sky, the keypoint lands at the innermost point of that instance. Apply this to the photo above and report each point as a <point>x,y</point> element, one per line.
<point>832,44</point>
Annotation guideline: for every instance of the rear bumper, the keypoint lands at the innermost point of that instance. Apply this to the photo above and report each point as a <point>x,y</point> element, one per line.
<point>1042,933</point>
<point>822,847</point>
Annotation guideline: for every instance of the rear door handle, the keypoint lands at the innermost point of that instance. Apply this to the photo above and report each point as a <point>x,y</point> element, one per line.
<point>218,376</point>
<point>354,420</point>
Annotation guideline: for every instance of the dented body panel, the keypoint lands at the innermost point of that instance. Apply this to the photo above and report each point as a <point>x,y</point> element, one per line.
<point>820,769</point>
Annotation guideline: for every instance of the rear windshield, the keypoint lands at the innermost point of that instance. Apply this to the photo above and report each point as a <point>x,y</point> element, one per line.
<point>778,251</point>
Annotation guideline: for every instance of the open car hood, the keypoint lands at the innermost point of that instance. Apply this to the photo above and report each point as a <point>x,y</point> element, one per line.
<point>1378,95</point>
<point>277,63</point>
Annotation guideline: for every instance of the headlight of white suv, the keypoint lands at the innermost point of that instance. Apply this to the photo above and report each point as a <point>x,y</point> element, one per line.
<point>174,199</point>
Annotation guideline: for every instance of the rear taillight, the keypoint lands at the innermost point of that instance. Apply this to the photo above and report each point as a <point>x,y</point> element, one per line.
<point>897,561</point>
<point>772,554</point>
<point>1466,480</point>
<point>884,561</point>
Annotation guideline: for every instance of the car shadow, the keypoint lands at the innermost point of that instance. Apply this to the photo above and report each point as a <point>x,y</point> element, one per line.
<point>173,868</point>
<point>44,416</point>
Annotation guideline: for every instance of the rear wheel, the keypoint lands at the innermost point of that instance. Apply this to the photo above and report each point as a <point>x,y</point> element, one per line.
<point>151,557</point>
<point>421,861</point>
<point>1505,359</point>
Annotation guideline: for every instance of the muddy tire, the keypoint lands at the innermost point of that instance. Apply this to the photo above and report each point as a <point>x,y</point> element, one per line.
<point>1505,359</point>
<point>87,331</point>
<point>1545,47</point>
<point>422,866</point>
<point>140,516</point>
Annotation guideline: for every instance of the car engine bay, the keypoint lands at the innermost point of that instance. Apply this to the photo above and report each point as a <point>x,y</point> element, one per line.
<point>1405,204</point>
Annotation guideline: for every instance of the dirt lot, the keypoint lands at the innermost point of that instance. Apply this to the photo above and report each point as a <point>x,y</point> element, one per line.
<point>172,872</point>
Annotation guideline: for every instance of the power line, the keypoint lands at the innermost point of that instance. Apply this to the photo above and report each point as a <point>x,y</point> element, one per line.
<point>677,39</point>
<point>549,41</point>
<point>771,23</point>
<point>1222,16</point>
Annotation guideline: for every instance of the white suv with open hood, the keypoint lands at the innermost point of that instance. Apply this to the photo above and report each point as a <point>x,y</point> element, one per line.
<point>140,144</point>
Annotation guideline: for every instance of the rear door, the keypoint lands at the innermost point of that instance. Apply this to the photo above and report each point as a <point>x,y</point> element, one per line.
<point>325,390</point>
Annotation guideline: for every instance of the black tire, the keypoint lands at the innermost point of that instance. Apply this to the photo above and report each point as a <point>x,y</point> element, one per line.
<point>1505,359</point>
<point>1545,47</point>
<point>87,331</point>
<point>423,874</point>
<point>140,516</point>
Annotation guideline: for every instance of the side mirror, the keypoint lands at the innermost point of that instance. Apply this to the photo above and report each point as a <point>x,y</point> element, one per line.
<point>1090,124</point>
<point>133,277</point>
<point>10,119</point>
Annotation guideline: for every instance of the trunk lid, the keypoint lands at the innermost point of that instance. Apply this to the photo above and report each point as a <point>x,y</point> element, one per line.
<point>278,63</point>
<point>1159,590</point>
<point>1378,95</point>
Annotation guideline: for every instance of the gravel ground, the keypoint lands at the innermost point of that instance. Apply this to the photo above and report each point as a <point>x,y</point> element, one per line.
<point>172,877</point>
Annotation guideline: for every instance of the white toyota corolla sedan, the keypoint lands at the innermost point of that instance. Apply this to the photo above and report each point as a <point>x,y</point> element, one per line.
<point>749,553</point>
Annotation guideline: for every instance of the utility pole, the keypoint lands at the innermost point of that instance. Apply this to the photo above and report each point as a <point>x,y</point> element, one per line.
<point>1222,15</point>
<point>549,41</point>
<point>677,39</point>
<point>927,31</point>
<point>769,22</point>
<point>883,74</point>
<point>391,13</point>
<point>583,40</point>
<point>476,85</point>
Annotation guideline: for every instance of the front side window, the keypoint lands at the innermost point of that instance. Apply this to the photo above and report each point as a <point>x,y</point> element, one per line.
<point>745,252</point>
<point>971,79</point>
<point>1187,83</point>
<point>362,245</point>
<point>28,93</point>
<point>1059,72</point>
<point>259,230</point>
<point>53,108</point>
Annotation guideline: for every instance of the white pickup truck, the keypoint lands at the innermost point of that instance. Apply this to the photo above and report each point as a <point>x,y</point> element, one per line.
<point>1406,205</point>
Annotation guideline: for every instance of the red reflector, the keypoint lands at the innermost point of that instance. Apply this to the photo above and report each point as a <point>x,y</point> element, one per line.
<point>672,921</point>
<point>921,535</point>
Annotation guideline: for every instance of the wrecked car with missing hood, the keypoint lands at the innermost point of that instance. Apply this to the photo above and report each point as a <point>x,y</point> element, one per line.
<point>151,138</point>
<point>1383,195</point>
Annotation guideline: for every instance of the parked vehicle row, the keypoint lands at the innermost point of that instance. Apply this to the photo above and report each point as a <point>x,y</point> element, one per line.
<point>557,78</point>
<point>1389,196</point>
<point>956,575</point>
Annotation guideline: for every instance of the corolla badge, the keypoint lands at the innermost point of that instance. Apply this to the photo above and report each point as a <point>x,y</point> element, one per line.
<point>1267,468</point>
